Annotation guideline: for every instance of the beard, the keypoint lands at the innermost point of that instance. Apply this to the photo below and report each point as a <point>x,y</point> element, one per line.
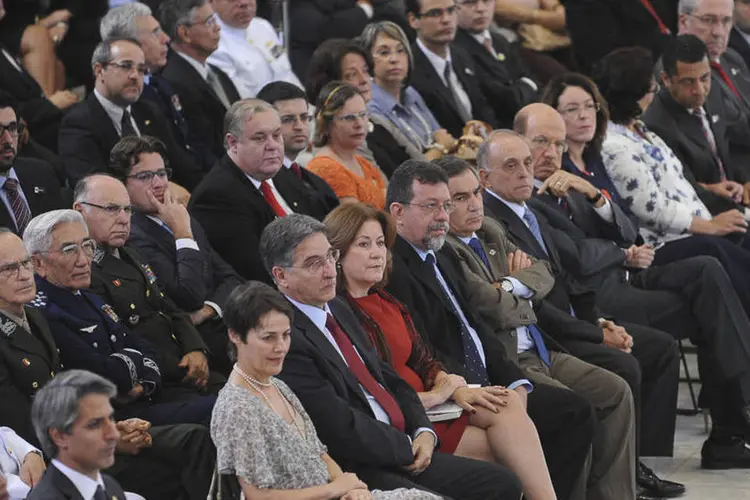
<point>437,242</point>
<point>5,165</point>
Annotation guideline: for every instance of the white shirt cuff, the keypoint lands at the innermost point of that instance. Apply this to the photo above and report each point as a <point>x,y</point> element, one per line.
<point>605,211</point>
<point>531,83</point>
<point>522,382</point>
<point>369,11</point>
<point>187,243</point>
<point>420,430</point>
<point>215,307</point>
<point>16,487</point>
<point>519,289</point>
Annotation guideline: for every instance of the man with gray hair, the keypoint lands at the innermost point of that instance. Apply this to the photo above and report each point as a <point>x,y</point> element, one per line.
<point>370,419</point>
<point>248,189</point>
<point>75,424</point>
<point>206,92</point>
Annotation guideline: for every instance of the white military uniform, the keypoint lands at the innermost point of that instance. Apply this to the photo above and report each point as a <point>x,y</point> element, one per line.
<point>13,449</point>
<point>252,57</point>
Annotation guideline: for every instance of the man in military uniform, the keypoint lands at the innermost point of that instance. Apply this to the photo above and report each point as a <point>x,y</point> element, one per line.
<point>171,461</point>
<point>122,277</point>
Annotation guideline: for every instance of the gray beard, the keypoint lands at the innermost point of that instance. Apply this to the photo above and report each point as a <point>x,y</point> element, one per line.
<point>434,244</point>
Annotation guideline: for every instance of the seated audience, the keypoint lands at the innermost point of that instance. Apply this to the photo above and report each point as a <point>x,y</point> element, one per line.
<point>341,126</point>
<point>205,91</point>
<point>249,188</point>
<point>259,421</point>
<point>173,243</point>
<point>427,279</point>
<point>497,421</point>
<point>114,110</point>
<point>501,70</point>
<point>21,464</point>
<point>739,36</point>
<point>371,421</point>
<point>395,105</point>
<point>250,51</point>
<point>64,412</point>
<point>294,113</point>
<point>158,462</point>
<point>444,74</point>
<point>122,277</point>
<point>28,187</point>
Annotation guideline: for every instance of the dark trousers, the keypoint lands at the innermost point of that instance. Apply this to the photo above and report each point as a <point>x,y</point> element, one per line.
<point>192,411</point>
<point>178,466</point>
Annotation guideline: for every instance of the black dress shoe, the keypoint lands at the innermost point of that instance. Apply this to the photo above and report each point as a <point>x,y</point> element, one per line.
<point>640,494</point>
<point>725,453</point>
<point>654,485</point>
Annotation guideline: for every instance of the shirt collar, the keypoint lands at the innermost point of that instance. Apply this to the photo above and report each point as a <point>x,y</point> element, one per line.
<point>84,484</point>
<point>467,239</point>
<point>315,314</point>
<point>287,162</point>
<point>21,321</point>
<point>382,100</point>
<point>518,209</point>
<point>113,110</point>
<point>256,182</point>
<point>202,69</point>
<point>437,62</point>
<point>481,37</point>
<point>423,253</point>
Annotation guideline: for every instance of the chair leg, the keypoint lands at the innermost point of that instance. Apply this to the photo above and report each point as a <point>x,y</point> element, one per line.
<point>689,379</point>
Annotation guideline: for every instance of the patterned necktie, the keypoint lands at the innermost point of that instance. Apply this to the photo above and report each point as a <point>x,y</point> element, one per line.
<point>296,169</point>
<point>215,84</point>
<point>462,111</point>
<point>488,45</point>
<point>265,188</point>
<point>21,212</point>
<point>100,493</point>
<point>530,218</point>
<point>706,127</point>
<point>363,375</point>
<point>476,245</point>
<point>476,372</point>
<point>126,125</point>
<point>723,75</point>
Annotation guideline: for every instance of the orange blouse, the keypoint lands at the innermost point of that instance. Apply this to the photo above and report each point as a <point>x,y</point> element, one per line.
<point>369,189</point>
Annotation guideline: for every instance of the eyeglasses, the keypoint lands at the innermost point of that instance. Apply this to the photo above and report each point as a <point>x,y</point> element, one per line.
<point>74,249</point>
<point>209,21</point>
<point>129,66</point>
<point>292,119</point>
<point>386,52</point>
<point>316,264</point>
<point>438,13</point>
<point>714,21</point>
<point>13,270</point>
<point>162,173</point>
<point>543,142</point>
<point>13,128</point>
<point>353,117</point>
<point>575,109</point>
<point>112,209</point>
<point>434,207</point>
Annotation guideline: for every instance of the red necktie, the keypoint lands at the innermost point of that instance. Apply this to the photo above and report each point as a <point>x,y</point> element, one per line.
<point>265,188</point>
<point>723,74</point>
<point>650,8</point>
<point>296,169</point>
<point>358,368</point>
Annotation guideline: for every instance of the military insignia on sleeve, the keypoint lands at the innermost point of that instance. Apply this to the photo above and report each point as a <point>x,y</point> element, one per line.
<point>277,51</point>
<point>7,327</point>
<point>109,311</point>
<point>149,274</point>
<point>90,329</point>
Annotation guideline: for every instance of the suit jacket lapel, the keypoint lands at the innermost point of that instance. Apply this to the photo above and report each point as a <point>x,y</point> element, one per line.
<point>514,224</point>
<point>62,484</point>
<point>435,79</point>
<point>103,122</point>
<point>495,272</point>
<point>160,235</point>
<point>41,330</point>
<point>34,194</point>
<point>421,270</point>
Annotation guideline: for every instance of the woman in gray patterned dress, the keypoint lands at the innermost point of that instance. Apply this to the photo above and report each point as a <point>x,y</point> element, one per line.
<point>261,431</point>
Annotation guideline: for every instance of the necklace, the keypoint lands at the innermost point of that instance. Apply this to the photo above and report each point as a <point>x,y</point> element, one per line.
<point>258,385</point>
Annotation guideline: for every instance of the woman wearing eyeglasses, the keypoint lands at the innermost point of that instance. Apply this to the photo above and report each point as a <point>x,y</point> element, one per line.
<point>341,127</point>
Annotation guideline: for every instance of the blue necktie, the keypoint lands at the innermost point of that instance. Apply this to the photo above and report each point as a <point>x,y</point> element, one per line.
<point>476,373</point>
<point>530,218</point>
<point>476,245</point>
<point>541,347</point>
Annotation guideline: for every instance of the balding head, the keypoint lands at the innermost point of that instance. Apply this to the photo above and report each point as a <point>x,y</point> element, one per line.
<point>105,205</point>
<point>505,166</point>
<point>544,130</point>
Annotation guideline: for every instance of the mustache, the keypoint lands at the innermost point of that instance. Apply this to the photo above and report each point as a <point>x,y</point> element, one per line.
<point>8,147</point>
<point>436,226</point>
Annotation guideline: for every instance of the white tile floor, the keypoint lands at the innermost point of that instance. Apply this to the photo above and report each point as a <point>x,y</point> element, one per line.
<point>685,465</point>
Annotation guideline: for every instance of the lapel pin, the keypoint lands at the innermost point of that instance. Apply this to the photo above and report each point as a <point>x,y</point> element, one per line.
<point>493,251</point>
<point>147,123</point>
<point>134,319</point>
<point>26,362</point>
<point>38,190</point>
<point>735,71</point>
<point>116,282</point>
<point>501,57</point>
<point>714,118</point>
<point>294,203</point>
<point>468,71</point>
<point>113,338</point>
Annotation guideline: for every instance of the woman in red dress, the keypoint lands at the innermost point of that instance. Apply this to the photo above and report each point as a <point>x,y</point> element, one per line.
<point>494,425</point>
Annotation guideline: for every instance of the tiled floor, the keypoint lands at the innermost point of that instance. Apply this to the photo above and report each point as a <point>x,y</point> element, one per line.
<point>685,465</point>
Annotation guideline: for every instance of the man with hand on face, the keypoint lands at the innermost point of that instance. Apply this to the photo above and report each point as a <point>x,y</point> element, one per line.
<point>174,244</point>
<point>126,281</point>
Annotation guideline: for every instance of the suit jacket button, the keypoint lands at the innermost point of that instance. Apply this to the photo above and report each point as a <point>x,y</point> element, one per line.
<point>513,334</point>
<point>95,345</point>
<point>35,385</point>
<point>524,316</point>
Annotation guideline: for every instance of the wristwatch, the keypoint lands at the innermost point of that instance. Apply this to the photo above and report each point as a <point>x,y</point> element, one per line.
<point>596,198</point>
<point>506,285</point>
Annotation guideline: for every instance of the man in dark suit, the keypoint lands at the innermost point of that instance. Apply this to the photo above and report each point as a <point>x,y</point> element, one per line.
<point>694,126</point>
<point>427,278</point>
<point>501,72</point>
<point>444,74</point>
<point>206,92</point>
<point>114,110</point>
<point>248,189</point>
<point>738,37</point>
<point>174,244</point>
<point>371,420</point>
<point>28,187</point>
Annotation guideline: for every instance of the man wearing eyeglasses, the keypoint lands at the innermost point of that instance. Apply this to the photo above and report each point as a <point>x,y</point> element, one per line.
<point>114,110</point>
<point>206,92</point>
<point>28,186</point>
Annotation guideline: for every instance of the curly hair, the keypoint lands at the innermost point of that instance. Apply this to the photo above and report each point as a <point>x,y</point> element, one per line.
<point>624,76</point>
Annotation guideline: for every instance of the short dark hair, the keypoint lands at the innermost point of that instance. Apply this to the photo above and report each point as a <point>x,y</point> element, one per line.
<point>413,6</point>
<point>127,152</point>
<point>682,48</point>
<point>400,185</point>
<point>8,101</point>
<point>325,63</point>
<point>624,76</point>
<point>555,88</point>
<point>103,51</point>
<point>247,304</point>
<point>453,166</point>
<point>280,91</point>
<point>176,13</point>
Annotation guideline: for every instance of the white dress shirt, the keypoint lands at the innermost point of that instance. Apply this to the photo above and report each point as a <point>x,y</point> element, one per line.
<point>485,35</point>
<point>85,485</point>
<point>4,194</point>
<point>439,64</point>
<point>13,450</point>
<point>275,191</point>
<point>115,113</point>
<point>252,57</point>
<point>202,69</point>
